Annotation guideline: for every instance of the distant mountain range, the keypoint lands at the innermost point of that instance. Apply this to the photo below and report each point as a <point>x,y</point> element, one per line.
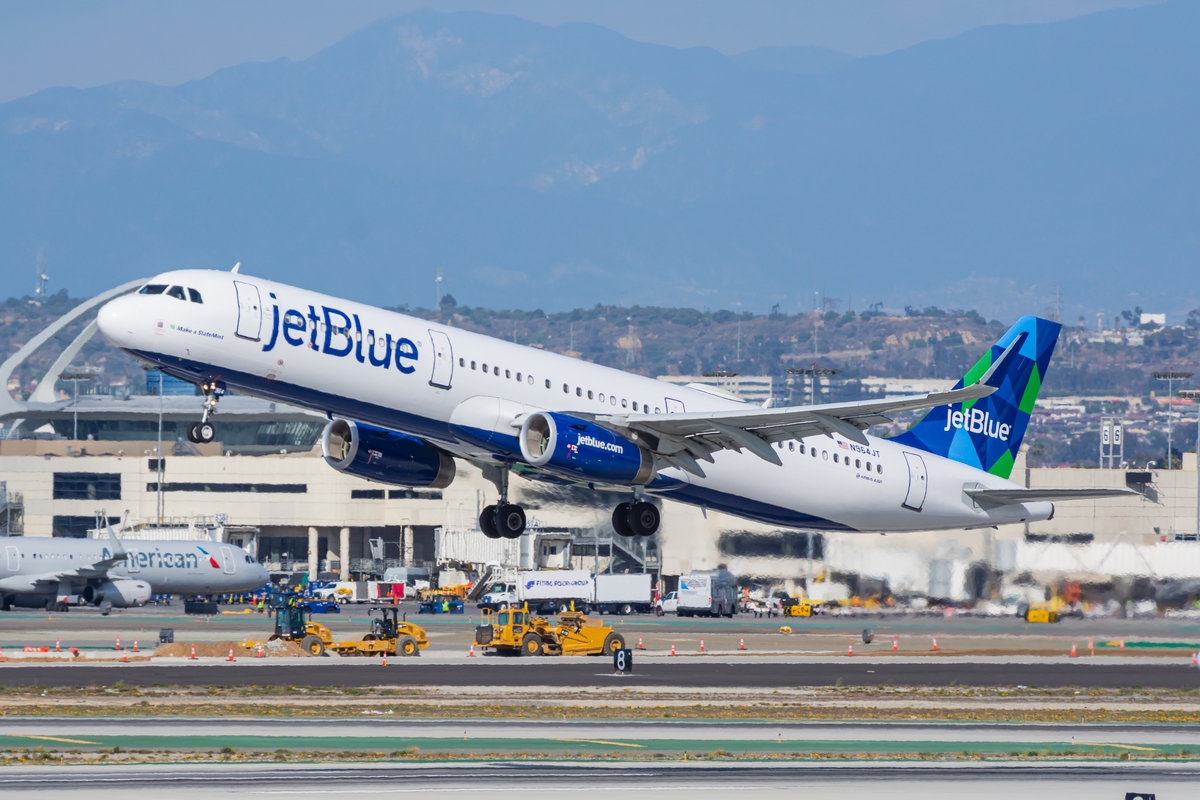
<point>558,167</point>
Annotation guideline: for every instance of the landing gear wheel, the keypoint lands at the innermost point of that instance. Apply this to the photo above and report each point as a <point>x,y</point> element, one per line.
<point>407,646</point>
<point>613,643</point>
<point>62,608</point>
<point>531,645</point>
<point>643,518</point>
<point>487,522</point>
<point>312,645</point>
<point>205,432</point>
<point>510,521</point>
<point>620,520</point>
<point>191,433</point>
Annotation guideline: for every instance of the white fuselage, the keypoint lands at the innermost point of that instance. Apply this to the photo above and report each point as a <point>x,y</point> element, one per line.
<point>463,392</point>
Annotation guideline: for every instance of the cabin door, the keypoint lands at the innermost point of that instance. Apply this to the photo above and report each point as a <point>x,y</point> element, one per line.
<point>249,323</point>
<point>918,482</point>
<point>443,360</point>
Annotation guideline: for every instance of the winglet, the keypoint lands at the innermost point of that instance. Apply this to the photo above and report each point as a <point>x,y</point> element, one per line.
<point>119,553</point>
<point>236,267</point>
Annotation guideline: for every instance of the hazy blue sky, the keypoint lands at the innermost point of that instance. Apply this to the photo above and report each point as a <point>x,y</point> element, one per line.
<point>87,43</point>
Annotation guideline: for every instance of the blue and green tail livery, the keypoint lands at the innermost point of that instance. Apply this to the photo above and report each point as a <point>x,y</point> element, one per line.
<point>987,433</point>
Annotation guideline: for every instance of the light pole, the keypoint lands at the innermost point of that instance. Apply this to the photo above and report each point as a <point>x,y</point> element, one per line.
<point>75,377</point>
<point>1170,377</point>
<point>1194,394</point>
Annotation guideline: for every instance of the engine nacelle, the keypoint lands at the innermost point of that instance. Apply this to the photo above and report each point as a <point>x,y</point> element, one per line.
<point>583,450</point>
<point>121,593</point>
<point>385,456</point>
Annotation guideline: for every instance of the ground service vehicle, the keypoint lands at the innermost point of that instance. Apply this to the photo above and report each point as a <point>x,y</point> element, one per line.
<point>518,631</point>
<point>389,634</point>
<point>708,594</point>
<point>669,604</point>
<point>798,608</point>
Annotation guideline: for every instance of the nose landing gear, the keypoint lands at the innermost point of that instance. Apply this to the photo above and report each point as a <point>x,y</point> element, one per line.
<point>503,520</point>
<point>203,432</point>
<point>638,518</point>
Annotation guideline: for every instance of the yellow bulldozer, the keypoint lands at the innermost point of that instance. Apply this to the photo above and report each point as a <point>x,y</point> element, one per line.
<point>572,634</point>
<point>389,634</point>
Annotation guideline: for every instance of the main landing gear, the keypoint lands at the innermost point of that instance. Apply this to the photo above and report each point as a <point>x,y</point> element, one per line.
<point>504,520</point>
<point>639,518</point>
<point>203,432</point>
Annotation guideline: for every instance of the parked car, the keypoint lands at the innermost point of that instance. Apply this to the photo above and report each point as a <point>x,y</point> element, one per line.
<point>668,604</point>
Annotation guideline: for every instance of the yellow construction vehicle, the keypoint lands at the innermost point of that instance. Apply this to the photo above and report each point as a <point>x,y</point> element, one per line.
<point>793,607</point>
<point>1046,612</point>
<point>573,634</point>
<point>389,634</point>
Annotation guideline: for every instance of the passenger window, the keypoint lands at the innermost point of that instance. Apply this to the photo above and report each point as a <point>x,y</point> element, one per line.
<point>835,458</point>
<point>824,455</point>
<point>192,293</point>
<point>153,288</point>
<point>624,403</point>
<point>462,362</point>
<point>635,405</point>
<point>792,447</point>
<point>578,392</point>
<point>601,397</point>
<point>176,292</point>
<point>879,469</point>
<point>518,377</point>
<point>485,369</point>
<point>657,410</point>
<point>868,466</point>
<point>496,371</point>
<point>529,379</point>
<point>472,365</point>
<point>566,389</point>
<point>589,394</point>
<point>612,400</point>
<point>507,373</point>
<point>857,464</point>
<point>802,448</point>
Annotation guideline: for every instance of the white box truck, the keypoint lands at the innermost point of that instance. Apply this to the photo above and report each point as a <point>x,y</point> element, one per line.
<point>623,594</point>
<point>555,590</point>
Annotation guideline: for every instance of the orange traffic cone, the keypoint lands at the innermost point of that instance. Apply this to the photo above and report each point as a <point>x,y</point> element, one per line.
<point>1073,653</point>
<point>230,655</point>
<point>135,645</point>
<point>1195,659</point>
<point>260,652</point>
<point>118,647</point>
<point>1091,646</point>
<point>193,657</point>
<point>1122,645</point>
<point>742,644</point>
<point>895,643</point>
<point>934,645</point>
<point>384,661</point>
<point>850,649</point>
<point>640,645</point>
<point>672,648</point>
<point>125,656</point>
<point>701,645</point>
<point>471,652</point>
<point>56,647</point>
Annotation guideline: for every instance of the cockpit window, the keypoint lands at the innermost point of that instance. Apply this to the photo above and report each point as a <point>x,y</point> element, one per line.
<point>176,291</point>
<point>192,293</point>
<point>153,288</point>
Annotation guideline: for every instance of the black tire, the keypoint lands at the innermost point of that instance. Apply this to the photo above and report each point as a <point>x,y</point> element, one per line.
<point>510,521</point>
<point>626,609</point>
<point>62,608</point>
<point>191,433</point>
<point>205,432</point>
<point>658,612</point>
<point>620,520</point>
<point>312,645</point>
<point>407,646</point>
<point>613,643</point>
<point>487,522</point>
<point>531,645</point>
<point>643,518</point>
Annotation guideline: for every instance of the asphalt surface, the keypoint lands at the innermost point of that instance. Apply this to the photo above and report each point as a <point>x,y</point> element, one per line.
<point>598,671</point>
<point>614,780</point>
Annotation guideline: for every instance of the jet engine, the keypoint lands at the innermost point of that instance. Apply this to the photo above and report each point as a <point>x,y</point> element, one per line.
<point>120,593</point>
<point>385,456</point>
<point>582,450</point>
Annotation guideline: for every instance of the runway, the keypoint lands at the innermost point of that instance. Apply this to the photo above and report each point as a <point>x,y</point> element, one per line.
<point>483,737</point>
<point>563,672</point>
<point>850,781</point>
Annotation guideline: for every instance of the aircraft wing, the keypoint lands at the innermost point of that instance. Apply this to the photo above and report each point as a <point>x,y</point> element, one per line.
<point>1005,497</point>
<point>97,569</point>
<point>682,440</point>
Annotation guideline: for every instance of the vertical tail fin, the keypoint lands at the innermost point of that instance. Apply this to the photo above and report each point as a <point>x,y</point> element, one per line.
<point>987,433</point>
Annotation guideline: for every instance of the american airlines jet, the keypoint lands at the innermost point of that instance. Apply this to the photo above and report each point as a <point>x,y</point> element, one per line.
<point>405,397</point>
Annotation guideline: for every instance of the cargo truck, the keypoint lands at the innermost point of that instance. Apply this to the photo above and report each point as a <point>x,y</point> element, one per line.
<point>556,591</point>
<point>708,594</point>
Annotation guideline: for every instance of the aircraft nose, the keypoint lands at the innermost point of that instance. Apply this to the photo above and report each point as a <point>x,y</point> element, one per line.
<point>117,319</point>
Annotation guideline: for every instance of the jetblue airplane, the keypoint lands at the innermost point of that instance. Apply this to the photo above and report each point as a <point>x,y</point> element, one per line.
<point>405,397</point>
<point>57,573</point>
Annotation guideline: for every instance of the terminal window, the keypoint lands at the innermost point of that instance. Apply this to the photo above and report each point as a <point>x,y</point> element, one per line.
<point>77,527</point>
<point>258,488</point>
<point>366,494</point>
<point>87,486</point>
<point>785,544</point>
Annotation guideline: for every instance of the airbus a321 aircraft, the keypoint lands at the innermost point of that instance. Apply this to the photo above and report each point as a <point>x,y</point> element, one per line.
<point>56,573</point>
<point>405,397</point>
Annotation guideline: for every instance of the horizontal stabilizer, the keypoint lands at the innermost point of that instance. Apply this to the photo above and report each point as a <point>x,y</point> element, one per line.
<point>1007,497</point>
